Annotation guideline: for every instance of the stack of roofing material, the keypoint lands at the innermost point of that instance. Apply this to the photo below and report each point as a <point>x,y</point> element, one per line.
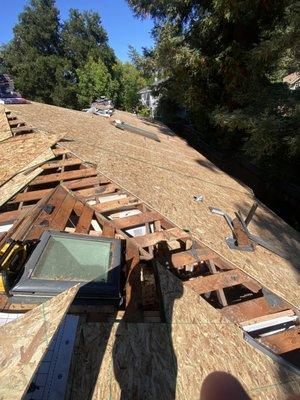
<point>102,106</point>
<point>7,93</point>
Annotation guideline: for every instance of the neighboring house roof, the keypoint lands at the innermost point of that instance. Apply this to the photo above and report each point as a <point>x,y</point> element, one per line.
<point>292,78</point>
<point>167,175</point>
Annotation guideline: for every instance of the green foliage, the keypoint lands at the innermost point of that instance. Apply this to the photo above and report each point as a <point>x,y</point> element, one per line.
<point>83,36</point>
<point>128,83</point>
<point>122,86</point>
<point>143,111</point>
<point>144,63</point>
<point>32,56</point>
<point>38,28</point>
<point>44,55</point>
<point>94,81</point>
<point>67,64</point>
<point>225,62</point>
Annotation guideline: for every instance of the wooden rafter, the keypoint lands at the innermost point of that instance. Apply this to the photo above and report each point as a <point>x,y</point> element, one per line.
<point>138,219</point>
<point>254,308</point>
<point>283,342</point>
<point>220,292</point>
<point>218,281</point>
<point>81,173</point>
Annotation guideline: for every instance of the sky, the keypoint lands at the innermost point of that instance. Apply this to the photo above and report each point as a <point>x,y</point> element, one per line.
<point>122,27</point>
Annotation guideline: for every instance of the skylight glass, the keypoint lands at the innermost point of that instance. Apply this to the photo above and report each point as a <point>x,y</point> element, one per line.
<point>72,259</point>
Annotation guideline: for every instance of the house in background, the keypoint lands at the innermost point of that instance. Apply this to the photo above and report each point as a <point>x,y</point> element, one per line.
<point>149,97</point>
<point>292,80</point>
<point>148,100</point>
<point>161,108</point>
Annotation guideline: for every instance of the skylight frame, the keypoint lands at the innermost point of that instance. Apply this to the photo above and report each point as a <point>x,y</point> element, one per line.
<point>30,285</point>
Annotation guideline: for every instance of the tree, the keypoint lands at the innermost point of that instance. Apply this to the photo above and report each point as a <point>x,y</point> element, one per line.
<point>94,80</point>
<point>82,36</point>
<point>221,59</point>
<point>44,55</point>
<point>144,63</point>
<point>32,56</point>
<point>122,86</point>
<point>127,83</point>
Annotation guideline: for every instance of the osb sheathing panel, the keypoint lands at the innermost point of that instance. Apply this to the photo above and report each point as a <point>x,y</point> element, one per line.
<point>5,131</point>
<point>167,175</point>
<point>15,184</point>
<point>22,152</point>
<point>24,342</point>
<point>20,180</point>
<point>168,361</point>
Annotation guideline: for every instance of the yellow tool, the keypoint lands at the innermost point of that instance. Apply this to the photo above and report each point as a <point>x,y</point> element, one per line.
<point>12,258</point>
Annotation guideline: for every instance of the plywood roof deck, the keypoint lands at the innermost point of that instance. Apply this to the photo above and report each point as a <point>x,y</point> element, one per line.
<point>22,151</point>
<point>92,187</point>
<point>174,358</point>
<point>5,130</point>
<point>24,342</point>
<point>168,361</point>
<point>167,175</point>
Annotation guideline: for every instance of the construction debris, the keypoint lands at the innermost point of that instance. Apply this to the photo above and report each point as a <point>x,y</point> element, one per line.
<point>102,106</point>
<point>261,242</point>
<point>199,198</point>
<point>217,211</point>
<point>130,128</point>
<point>251,213</point>
<point>242,239</point>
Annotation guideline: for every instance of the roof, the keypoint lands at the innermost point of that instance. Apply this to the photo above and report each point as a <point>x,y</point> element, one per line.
<point>167,175</point>
<point>291,78</point>
<point>168,361</point>
<point>22,150</point>
<point>21,353</point>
